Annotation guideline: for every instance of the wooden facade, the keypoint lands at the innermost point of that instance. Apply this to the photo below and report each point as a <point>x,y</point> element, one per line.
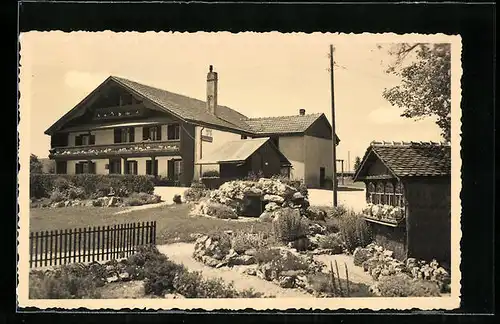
<point>424,229</point>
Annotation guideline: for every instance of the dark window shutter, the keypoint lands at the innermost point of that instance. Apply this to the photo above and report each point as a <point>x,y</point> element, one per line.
<point>92,167</point>
<point>78,168</point>
<point>158,133</point>
<point>126,166</point>
<point>118,135</point>
<point>92,140</point>
<point>155,172</point>
<point>131,134</point>
<point>78,140</point>
<point>170,169</point>
<point>135,167</point>
<point>145,133</point>
<point>148,167</point>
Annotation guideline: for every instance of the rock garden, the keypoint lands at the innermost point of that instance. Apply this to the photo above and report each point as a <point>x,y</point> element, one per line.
<point>395,278</point>
<point>159,277</point>
<point>89,190</point>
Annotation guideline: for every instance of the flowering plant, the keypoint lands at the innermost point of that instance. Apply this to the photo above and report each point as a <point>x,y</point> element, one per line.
<point>384,212</point>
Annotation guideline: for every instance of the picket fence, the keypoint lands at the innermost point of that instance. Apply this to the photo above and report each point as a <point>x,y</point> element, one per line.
<point>101,243</point>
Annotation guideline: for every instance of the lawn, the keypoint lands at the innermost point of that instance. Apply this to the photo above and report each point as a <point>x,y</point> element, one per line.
<point>174,224</point>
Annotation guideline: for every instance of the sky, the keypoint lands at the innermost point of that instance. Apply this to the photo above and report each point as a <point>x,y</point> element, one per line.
<point>268,74</point>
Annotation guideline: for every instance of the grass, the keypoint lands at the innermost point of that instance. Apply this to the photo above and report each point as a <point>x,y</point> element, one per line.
<point>173,221</point>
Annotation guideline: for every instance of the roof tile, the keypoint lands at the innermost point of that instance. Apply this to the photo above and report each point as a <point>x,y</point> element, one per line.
<point>407,159</point>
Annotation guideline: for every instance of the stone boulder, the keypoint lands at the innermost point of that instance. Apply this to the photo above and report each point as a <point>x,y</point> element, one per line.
<point>273,198</point>
<point>266,216</point>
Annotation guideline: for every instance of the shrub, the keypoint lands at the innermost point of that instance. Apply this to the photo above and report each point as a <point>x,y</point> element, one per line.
<point>323,283</point>
<point>57,196</point>
<point>289,225</point>
<point>76,193</point>
<point>62,184</point>
<point>242,241</point>
<point>188,284</point>
<point>41,185</point>
<point>401,285</point>
<point>141,198</point>
<point>177,199</point>
<point>65,283</point>
<point>316,213</point>
<point>265,255</point>
<point>211,174</point>
<point>332,225</point>
<point>195,192</point>
<point>355,231</point>
<point>221,211</point>
<point>332,241</point>
<point>336,212</point>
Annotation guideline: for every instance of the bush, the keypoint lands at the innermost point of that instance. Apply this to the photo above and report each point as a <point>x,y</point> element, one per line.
<point>211,174</point>
<point>333,242</point>
<point>281,260</point>
<point>177,199</point>
<point>289,225</point>
<point>160,276</point>
<point>242,241</point>
<point>401,285</point>
<point>57,196</point>
<point>323,283</point>
<point>355,231</point>
<point>141,198</point>
<point>195,192</point>
<point>221,211</point>
<point>62,184</point>
<point>76,193</point>
<point>66,283</point>
<point>316,213</point>
<point>336,212</point>
<point>333,225</point>
<point>41,185</point>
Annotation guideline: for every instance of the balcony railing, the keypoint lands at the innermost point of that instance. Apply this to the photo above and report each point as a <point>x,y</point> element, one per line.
<point>144,148</point>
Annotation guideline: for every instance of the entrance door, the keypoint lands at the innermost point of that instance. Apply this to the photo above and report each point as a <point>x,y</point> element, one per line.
<point>322,177</point>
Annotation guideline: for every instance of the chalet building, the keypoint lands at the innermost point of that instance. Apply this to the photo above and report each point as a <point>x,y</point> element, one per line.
<point>124,127</point>
<point>408,191</point>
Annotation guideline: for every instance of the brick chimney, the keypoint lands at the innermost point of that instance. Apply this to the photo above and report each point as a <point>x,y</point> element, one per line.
<point>212,80</point>
<point>302,112</point>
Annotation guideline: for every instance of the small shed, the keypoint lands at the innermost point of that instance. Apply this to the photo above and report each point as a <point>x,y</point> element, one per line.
<point>237,159</point>
<point>408,196</point>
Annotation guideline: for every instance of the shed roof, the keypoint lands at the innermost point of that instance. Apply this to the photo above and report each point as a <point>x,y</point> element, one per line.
<point>409,159</point>
<point>235,151</point>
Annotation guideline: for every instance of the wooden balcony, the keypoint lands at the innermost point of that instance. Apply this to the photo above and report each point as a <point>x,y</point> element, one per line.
<point>164,148</point>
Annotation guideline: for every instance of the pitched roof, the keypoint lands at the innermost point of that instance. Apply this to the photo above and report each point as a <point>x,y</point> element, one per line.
<point>194,110</point>
<point>235,151</point>
<point>282,124</point>
<point>188,108</point>
<point>410,159</point>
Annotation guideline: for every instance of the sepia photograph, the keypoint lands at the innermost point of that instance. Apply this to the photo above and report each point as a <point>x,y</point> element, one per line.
<point>250,170</point>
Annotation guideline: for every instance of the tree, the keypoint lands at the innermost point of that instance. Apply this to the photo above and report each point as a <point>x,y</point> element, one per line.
<point>425,72</point>
<point>357,163</point>
<point>35,164</point>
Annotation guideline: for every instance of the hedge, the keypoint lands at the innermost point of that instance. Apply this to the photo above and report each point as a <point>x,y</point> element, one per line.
<point>42,185</point>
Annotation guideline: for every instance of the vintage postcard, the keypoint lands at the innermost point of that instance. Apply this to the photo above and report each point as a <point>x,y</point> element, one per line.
<point>239,171</point>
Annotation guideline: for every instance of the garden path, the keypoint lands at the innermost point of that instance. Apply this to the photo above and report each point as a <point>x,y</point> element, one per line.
<point>182,253</point>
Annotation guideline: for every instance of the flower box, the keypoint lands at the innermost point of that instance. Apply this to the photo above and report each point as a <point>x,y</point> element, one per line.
<point>384,214</point>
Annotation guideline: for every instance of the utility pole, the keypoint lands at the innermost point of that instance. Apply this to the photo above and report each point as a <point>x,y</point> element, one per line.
<point>334,136</point>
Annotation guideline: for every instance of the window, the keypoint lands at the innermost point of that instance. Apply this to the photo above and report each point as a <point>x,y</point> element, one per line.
<point>115,166</point>
<point>385,192</point>
<point>173,132</point>
<point>131,167</point>
<point>174,169</point>
<point>84,139</point>
<point>149,167</point>
<point>85,167</point>
<point>243,137</point>
<point>61,167</point>
<point>151,133</point>
<point>124,135</point>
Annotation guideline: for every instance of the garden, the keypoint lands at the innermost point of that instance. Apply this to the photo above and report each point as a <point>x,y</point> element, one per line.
<point>91,190</point>
<point>287,245</point>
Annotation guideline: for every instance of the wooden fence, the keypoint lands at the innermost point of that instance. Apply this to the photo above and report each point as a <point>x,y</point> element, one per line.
<point>99,243</point>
